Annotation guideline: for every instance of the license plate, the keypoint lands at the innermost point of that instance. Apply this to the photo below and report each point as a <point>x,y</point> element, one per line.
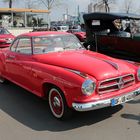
<point>123,99</point>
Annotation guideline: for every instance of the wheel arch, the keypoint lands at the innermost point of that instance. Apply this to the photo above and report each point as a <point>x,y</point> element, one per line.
<point>46,86</point>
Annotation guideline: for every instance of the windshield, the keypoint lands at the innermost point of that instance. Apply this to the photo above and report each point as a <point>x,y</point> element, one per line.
<point>55,43</point>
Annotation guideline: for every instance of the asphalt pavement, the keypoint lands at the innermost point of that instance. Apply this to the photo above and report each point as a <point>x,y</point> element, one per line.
<point>23,116</point>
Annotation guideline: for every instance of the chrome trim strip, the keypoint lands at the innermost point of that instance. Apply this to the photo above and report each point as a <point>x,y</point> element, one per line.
<point>77,72</point>
<point>118,77</point>
<point>115,65</point>
<point>101,103</point>
<point>108,86</point>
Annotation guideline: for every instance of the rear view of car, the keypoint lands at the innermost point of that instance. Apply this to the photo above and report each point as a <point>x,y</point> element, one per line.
<point>81,35</point>
<point>6,38</point>
<point>62,28</point>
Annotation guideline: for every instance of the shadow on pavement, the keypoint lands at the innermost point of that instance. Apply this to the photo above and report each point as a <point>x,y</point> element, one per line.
<point>134,101</point>
<point>34,113</point>
<point>132,117</point>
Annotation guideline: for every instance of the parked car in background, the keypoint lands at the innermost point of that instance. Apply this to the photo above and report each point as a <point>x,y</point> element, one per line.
<point>6,38</point>
<point>114,34</point>
<point>81,35</point>
<point>62,28</point>
<point>55,66</point>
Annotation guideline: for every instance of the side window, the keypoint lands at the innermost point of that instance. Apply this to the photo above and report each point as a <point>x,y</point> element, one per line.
<point>14,45</point>
<point>24,46</point>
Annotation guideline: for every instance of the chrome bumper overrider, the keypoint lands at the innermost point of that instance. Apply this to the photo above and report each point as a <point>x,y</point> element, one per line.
<point>102,103</point>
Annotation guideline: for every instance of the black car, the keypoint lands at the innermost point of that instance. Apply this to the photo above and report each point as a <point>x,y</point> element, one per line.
<point>114,34</point>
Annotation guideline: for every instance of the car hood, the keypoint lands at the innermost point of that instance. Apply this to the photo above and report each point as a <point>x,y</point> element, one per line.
<point>91,63</point>
<point>3,36</point>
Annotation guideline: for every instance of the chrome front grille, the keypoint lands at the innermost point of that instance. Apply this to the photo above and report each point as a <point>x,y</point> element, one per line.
<point>117,83</point>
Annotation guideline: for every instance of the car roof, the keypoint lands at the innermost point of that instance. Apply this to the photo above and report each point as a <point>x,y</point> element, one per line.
<point>42,33</point>
<point>109,16</point>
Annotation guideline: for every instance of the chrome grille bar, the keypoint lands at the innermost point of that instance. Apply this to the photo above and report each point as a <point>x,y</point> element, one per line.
<point>116,83</point>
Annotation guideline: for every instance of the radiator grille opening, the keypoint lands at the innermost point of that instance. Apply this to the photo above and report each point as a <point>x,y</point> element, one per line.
<point>117,83</point>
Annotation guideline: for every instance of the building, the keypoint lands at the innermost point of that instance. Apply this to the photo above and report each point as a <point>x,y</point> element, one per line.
<point>15,17</point>
<point>19,20</point>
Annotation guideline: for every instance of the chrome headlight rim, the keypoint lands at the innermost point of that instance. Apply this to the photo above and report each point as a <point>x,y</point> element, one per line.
<point>138,74</point>
<point>88,83</point>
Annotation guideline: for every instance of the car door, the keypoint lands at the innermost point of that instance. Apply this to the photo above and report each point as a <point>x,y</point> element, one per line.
<point>19,61</point>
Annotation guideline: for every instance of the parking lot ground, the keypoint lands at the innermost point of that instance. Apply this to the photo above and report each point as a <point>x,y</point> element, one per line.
<point>23,116</point>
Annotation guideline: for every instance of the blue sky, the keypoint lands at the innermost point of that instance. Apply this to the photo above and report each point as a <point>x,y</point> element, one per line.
<point>71,5</point>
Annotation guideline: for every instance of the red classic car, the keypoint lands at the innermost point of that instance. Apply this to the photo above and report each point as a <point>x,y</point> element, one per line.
<point>81,35</point>
<point>6,38</point>
<point>54,65</point>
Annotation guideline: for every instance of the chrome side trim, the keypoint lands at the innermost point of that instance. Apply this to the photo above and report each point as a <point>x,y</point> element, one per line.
<point>77,72</point>
<point>115,65</point>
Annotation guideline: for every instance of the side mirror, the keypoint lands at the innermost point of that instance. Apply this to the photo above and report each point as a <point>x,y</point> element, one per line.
<point>88,47</point>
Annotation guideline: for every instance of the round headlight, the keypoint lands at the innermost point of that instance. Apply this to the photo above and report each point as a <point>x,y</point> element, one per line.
<point>88,87</point>
<point>138,74</point>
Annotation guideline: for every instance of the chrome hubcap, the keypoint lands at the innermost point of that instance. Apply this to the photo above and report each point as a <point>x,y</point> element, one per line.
<point>56,102</point>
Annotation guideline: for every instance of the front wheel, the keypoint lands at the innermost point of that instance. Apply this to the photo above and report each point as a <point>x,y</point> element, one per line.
<point>57,104</point>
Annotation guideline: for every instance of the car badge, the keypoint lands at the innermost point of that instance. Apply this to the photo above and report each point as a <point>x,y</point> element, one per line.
<point>121,83</point>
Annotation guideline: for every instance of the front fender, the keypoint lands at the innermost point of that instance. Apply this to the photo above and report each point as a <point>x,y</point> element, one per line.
<point>69,83</point>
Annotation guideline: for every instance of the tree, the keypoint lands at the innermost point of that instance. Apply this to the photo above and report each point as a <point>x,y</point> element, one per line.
<point>49,4</point>
<point>10,2</point>
<point>128,5</point>
<point>107,8</point>
<point>105,4</point>
<point>30,4</point>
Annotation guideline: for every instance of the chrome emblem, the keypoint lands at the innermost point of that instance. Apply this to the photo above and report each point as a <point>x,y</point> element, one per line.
<point>121,83</point>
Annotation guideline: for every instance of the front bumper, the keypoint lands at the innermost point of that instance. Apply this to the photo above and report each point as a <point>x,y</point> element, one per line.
<point>105,103</point>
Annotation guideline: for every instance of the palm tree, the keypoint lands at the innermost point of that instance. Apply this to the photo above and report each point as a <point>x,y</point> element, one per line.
<point>10,2</point>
